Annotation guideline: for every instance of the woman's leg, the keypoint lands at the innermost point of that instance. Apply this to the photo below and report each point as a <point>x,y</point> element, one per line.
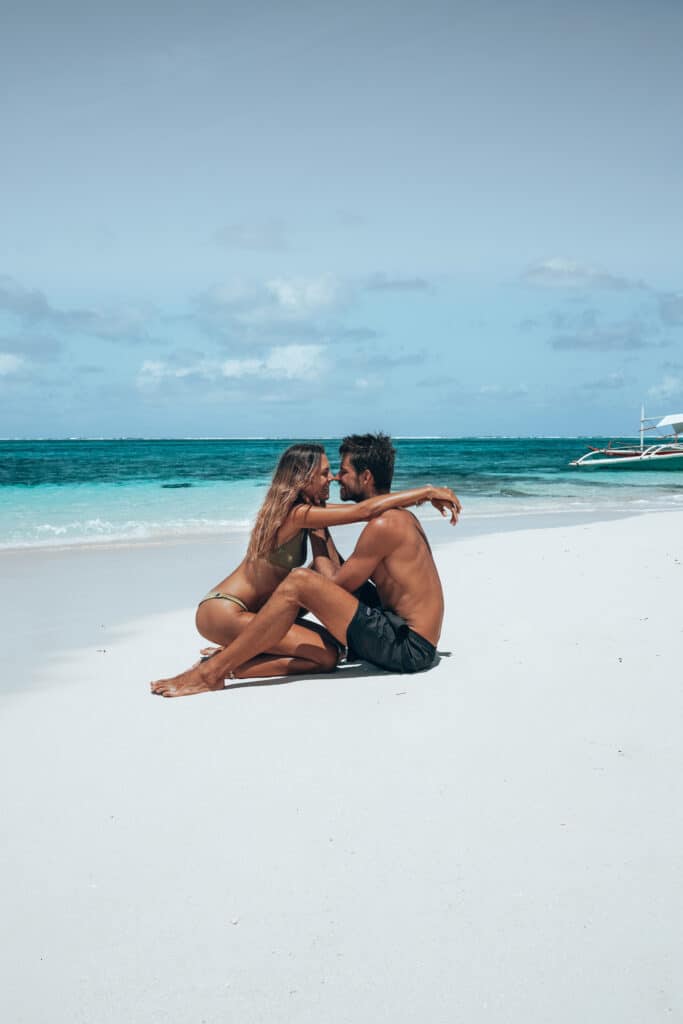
<point>308,648</point>
<point>277,619</point>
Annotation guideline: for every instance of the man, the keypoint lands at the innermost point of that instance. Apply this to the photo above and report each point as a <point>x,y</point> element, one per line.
<point>392,550</point>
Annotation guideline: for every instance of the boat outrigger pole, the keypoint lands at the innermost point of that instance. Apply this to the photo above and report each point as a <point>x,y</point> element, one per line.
<point>642,425</point>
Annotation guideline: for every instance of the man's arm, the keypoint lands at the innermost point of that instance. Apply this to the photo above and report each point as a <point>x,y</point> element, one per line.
<point>376,542</point>
<point>327,561</point>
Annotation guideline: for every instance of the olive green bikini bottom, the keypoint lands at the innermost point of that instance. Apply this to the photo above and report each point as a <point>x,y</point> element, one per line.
<point>224,597</point>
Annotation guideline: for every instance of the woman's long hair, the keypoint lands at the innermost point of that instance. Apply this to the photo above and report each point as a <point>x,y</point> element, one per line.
<point>297,468</point>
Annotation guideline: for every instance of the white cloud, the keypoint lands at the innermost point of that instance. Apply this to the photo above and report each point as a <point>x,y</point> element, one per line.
<point>303,296</point>
<point>292,309</point>
<point>158,369</point>
<point>287,362</point>
<point>670,387</point>
<point>153,369</point>
<point>9,363</point>
<point>563,273</point>
<point>240,367</point>
<point>152,372</point>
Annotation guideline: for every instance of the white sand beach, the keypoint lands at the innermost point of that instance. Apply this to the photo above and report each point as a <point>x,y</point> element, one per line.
<point>497,840</point>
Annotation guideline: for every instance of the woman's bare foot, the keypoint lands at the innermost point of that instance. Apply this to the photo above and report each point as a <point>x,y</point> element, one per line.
<point>196,680</point>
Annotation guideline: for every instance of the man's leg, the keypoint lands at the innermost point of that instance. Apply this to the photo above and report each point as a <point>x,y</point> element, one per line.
<point>331,604</point>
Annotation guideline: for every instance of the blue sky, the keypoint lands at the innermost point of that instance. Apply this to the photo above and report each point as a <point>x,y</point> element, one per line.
<point>259,219</point>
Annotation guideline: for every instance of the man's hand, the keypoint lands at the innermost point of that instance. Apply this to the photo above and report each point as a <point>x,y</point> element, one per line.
<point>447,502</point>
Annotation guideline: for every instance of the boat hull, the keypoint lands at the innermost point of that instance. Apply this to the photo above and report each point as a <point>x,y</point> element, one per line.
<point>652,463</point>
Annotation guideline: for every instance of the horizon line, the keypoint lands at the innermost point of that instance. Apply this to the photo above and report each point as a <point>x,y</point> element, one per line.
<point>325,437</point>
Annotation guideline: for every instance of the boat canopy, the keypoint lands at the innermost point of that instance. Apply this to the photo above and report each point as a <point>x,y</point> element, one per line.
<point>675,422</point>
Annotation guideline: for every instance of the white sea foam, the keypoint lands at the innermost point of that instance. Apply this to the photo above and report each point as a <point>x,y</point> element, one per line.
<point>31,531</point>
<point>101,531</point>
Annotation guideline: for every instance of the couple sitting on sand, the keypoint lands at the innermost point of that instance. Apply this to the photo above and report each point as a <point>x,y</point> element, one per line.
<point>255,613</point>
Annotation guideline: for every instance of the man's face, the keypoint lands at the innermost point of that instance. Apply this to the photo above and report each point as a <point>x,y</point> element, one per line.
<point>350,487</point>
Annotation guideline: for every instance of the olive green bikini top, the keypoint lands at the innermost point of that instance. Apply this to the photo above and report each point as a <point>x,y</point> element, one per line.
<point>291,554</point>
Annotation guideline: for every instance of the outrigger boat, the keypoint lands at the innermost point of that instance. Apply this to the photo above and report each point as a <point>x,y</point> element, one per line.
<point>664,454</point>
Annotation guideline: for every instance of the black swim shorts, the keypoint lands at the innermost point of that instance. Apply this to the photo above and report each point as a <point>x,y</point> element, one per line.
<point>385,639</point>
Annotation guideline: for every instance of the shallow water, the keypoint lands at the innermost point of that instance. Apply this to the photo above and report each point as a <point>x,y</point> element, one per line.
<point>55,493</point>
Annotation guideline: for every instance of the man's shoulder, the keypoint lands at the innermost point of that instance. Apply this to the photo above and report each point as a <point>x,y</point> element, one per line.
<point>395,522</point>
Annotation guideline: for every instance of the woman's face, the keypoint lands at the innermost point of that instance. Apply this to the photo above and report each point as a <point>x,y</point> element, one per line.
<point>318,490</point>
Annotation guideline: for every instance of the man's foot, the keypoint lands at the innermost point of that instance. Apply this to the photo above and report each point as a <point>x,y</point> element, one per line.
<point>206,653</point>
<point>195,680</point>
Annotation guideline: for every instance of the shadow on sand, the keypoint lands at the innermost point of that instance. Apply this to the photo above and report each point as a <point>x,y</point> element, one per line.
<point>350,670</point>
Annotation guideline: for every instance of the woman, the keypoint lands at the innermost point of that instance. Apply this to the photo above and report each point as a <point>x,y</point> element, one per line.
<point>294,505</point>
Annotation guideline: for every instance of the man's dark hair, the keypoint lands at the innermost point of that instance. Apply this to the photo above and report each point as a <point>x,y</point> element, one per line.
<point>374,452</point>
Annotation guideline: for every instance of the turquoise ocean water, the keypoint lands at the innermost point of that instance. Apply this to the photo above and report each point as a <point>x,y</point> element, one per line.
<point>56,493</point>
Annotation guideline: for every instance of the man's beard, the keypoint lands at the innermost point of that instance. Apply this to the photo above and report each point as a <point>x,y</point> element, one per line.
<point>346,495</point>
